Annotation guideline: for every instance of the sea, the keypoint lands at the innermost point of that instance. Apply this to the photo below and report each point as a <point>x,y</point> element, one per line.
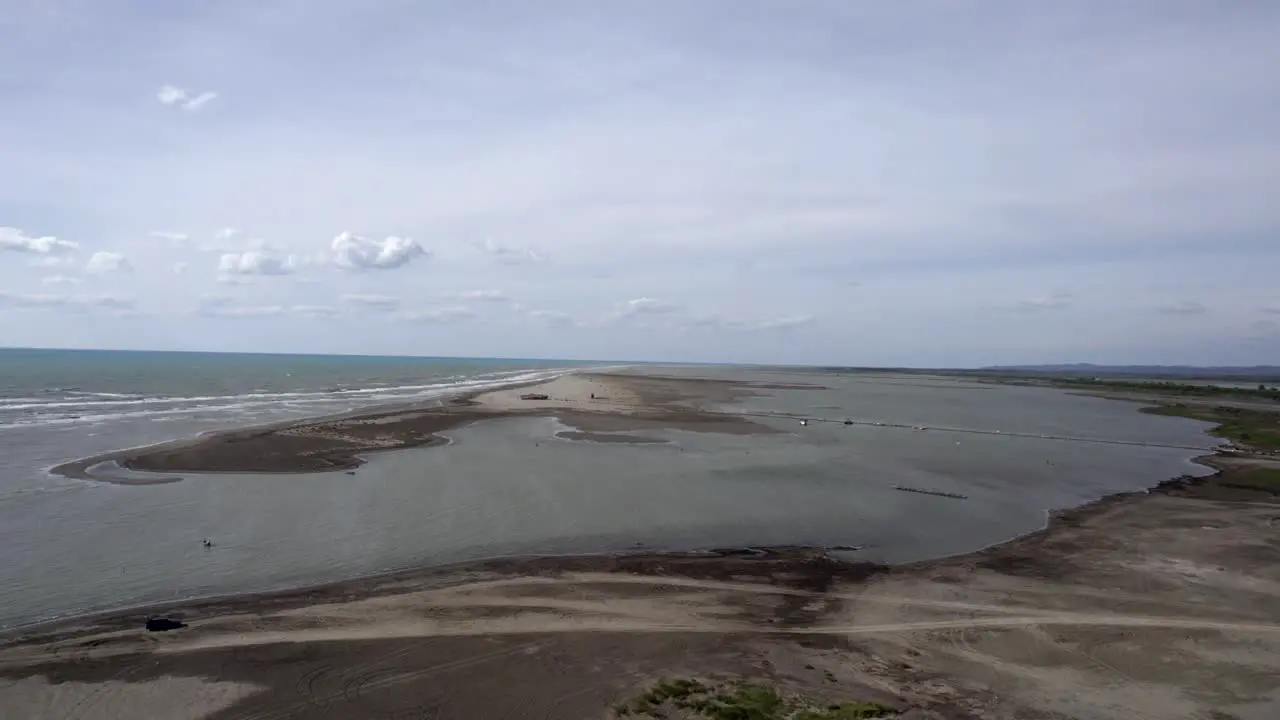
<point>513,486</point>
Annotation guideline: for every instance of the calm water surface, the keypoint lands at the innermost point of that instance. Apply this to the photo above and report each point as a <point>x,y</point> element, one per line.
<point>510,486</point>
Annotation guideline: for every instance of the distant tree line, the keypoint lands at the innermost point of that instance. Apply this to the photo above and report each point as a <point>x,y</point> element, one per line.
<point>1177,388</point>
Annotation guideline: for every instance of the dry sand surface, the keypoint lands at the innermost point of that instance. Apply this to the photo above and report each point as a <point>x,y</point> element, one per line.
<point>622,404</point>
<point>569,392</point>
<point>1161,605</point>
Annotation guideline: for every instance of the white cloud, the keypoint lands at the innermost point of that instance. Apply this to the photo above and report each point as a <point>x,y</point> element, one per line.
<point>313,310</point>
<point>243,310</point>
<point>61,280</point>
<point>784,323</point>
<point>14,239</point>
<point>255,262</point>
<point>553,318</point>
<point>444,314</point>
<point>103,262</point>
<point>484,296</point>
<point>221,306</point>
<point>33,300</point>
<point>718,322</point>
<point>1184,307</point>
<point>649,306</point>
<point>512,255</point>
<point>52,261</point>
<point>176,96</point>
<point>374,302</point>
<point>1054,301</point>
<point>112,303</point>
<point>199,101</point>
<point>234,240</point>
<point>180,267</point>
<point>170,95</point>
<point>174,237</point>
<point>355,252</point>
<point>69,302</point>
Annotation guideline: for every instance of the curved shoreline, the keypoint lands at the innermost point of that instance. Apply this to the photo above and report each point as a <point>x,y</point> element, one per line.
<point>662,409</point>
<point>79,469</point>
<point>591,403</point>
<point>1169,591</point>
<point>802,567</point>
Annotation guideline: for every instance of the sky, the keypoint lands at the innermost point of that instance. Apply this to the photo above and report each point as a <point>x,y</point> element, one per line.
<point>910,183</point>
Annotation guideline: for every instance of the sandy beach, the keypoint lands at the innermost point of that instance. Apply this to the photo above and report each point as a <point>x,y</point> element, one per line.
<point>600,407</point>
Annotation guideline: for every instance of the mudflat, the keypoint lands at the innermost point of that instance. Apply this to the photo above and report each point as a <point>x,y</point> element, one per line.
<point>591,403</point>
<point>1145,605</point>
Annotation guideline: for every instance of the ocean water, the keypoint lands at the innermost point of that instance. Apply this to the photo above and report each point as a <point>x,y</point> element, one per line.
<point>511,486</point>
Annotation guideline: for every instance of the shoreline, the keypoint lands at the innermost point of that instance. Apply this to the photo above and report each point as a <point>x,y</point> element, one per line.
<point>601,406</point>
<point>78,469</point>
<point>1163,602</point>
<point>654,401</point>
<point>799,566</point>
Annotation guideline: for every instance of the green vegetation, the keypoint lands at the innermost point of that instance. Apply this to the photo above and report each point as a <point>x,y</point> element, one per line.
<point>1245,427</point>
<point>1260,478</point>
<point>1173,388</point>
<point>846,711</point>
<point>691,699</point>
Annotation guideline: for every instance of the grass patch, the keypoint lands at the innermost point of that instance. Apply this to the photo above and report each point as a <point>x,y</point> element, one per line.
<point>1261,478</point>
<point>1263,391</point>
<point>847,711</point>
<point>689,699</point>
<point>1245,427</point>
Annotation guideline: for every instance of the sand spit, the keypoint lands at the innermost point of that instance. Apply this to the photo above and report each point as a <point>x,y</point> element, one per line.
<point>591,403</point>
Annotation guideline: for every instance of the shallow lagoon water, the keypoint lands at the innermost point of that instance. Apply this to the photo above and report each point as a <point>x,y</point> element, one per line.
<point>511,487</point>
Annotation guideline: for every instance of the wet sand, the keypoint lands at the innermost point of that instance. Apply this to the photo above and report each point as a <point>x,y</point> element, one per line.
<point>592,404</point>
<point>1143,605</point>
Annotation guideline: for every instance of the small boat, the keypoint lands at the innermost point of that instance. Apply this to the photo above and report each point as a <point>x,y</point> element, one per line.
<point>804,422</point>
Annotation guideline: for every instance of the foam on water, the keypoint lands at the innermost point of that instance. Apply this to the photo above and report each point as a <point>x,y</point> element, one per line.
<point>34,412</point>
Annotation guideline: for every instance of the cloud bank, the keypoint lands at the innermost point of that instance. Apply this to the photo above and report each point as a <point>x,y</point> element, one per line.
<point>177,97</point>
<point>16,240</point>
<point>836,183</point>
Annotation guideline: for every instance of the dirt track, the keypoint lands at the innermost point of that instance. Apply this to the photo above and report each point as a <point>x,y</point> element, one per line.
<point>1147,606</point>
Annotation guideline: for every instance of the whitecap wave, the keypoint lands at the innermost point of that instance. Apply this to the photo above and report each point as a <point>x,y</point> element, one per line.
<point>63,412</point>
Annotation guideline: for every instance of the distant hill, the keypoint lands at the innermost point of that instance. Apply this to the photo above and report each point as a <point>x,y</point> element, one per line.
<point>1258,372</point>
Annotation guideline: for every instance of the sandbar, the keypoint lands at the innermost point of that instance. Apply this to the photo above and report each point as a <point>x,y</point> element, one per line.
<point>591,403</point>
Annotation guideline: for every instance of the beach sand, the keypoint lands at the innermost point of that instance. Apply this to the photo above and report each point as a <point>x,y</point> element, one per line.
<point>1160,605</point>
<point>622,404</point>
<point>586,393</point>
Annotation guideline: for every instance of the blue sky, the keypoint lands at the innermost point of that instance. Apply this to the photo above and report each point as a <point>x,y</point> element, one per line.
<point>908,183</point>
